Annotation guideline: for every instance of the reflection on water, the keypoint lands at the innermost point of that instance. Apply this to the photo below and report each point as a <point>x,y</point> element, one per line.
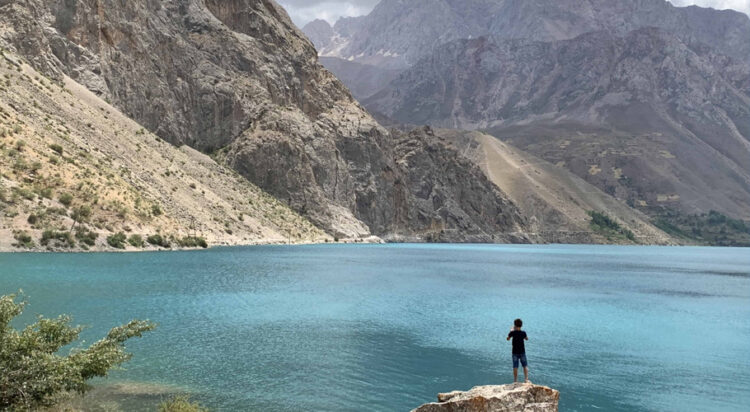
<point>389,326</point>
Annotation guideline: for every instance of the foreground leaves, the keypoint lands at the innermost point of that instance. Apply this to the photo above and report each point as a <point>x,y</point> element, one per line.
<point>31,371</point>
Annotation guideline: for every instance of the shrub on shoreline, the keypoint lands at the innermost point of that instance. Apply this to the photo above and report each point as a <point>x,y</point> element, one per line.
<point>158,240</point>
<point>193,241</point>
<point>117,240</point>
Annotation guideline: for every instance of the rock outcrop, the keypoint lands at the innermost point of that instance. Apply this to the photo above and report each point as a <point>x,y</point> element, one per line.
<point>517,397</point>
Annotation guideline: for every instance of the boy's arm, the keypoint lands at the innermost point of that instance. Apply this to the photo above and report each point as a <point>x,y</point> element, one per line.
<point>525,336</point>
<point>509,334</point>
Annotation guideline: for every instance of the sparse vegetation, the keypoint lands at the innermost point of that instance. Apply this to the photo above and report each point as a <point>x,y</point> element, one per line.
<point>63,239</point>
<point>35,372</point>
<point>156,210</point>
<point>713,228</point>
<point>606,226</point>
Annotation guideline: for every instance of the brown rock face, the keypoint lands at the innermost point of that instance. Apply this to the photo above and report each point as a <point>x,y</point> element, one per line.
<point>518,397</point>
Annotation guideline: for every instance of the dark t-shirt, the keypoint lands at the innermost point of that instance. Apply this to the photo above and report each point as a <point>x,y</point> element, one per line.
<point>518,337</point>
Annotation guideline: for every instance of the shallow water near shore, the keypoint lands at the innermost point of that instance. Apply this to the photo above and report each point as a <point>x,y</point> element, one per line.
<point>387,327</point>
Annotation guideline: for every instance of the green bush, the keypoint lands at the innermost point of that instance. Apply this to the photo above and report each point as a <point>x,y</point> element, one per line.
<point>180,404</point>
<point>192,241</point>
<point>61,238</point>
<point>23,239</point>
<point>56,148</point>
<point>158,240</point>
<point>66,199</point>
<point>136,241</point>
<point>156,210</point>
<point>86,237</point>
<point>117,240</point>
<point>35,373</point>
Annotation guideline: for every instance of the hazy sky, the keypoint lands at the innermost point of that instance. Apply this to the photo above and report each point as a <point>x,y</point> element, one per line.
<point>303,11</point>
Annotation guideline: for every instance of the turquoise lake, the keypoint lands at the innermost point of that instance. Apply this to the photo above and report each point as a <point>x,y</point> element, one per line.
<point>387,327</point>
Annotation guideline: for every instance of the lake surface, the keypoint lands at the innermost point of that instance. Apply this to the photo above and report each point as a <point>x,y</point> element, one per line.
<point>387,327</point>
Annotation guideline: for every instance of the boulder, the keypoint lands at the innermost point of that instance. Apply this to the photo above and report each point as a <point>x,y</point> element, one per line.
<point>525,397</point>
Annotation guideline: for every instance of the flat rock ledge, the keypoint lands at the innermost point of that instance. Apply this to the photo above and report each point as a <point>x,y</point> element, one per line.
<point>517,397</point>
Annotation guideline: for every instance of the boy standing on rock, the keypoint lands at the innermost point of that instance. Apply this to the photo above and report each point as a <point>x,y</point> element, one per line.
<point>519,351</point>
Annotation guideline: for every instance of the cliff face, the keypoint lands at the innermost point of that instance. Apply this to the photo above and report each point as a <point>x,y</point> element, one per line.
<point>449,198</point>
<point>235,78</point>
<point>518,397</point>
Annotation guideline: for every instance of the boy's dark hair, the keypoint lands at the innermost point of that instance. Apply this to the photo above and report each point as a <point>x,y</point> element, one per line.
<point>518,323</point>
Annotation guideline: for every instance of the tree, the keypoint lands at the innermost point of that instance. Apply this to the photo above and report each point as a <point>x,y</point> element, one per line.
<point>34,374</point>
<point>80,215</point>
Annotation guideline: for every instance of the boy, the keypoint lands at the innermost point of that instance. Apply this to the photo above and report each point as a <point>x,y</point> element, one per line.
<point>519,351</point>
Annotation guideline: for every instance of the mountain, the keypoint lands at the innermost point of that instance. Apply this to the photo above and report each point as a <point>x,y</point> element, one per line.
<point>404,31</point>
<point>645,117</point>
<point>74,171</point>
<point>363,80</point>
<point>236,79</point>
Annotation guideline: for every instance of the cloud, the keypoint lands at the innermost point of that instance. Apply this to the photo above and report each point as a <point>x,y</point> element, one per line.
<point>739,5</point>
<point>304,11</point>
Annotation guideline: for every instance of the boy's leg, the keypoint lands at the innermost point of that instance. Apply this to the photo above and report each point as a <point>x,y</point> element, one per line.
<point>526,373</point>
<point>516,359</point>
<point>515,375</point>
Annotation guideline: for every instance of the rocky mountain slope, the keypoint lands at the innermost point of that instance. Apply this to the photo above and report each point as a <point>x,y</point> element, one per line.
<point>237,79</point>
<point>75,174</point>
<point>644,117</point>
<point>401,32</point>
<point>363,80</point>
<point>558,202</point>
